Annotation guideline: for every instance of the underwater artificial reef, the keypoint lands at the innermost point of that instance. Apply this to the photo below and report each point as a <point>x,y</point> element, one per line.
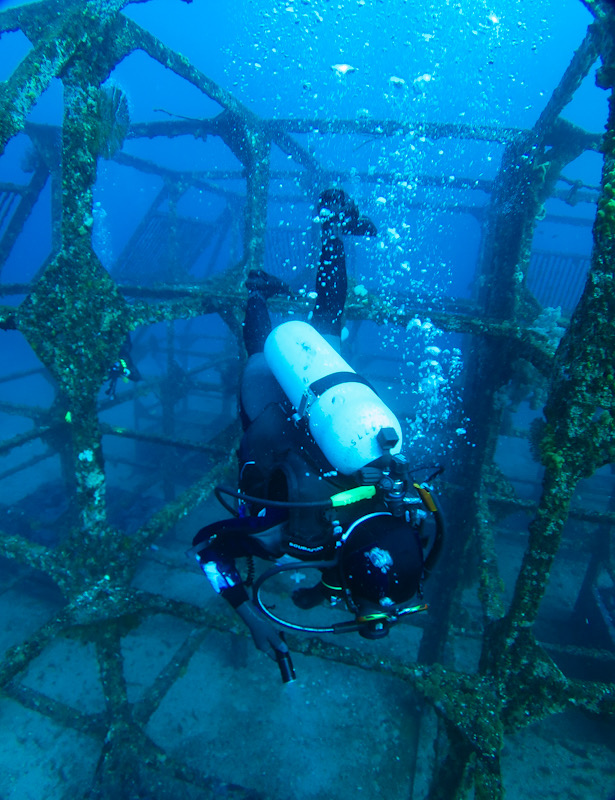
<point>76,317</point>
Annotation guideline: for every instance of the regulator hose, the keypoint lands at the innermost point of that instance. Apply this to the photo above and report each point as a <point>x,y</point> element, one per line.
<point>339,627</point>
<point>340,499</point>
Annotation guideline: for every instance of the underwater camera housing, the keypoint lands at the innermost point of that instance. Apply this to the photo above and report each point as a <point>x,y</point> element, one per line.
<point>408,505</point>
<point>374,625</point>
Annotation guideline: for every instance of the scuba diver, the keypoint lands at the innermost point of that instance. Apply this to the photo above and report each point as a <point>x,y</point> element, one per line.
<point>322,480</point>
<point>123,368</point>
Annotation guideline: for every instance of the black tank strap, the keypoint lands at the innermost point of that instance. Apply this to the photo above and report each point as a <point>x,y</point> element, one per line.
<point>334,379</point>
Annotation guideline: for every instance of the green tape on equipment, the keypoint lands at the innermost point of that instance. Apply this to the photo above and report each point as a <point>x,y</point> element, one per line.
<point>353,496</point>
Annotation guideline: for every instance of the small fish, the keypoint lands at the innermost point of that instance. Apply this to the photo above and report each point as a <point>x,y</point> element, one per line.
<point>342,69</point>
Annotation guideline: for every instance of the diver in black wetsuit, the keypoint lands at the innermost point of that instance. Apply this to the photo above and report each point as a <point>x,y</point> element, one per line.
<point>364,529</point>
<point>123,368</point>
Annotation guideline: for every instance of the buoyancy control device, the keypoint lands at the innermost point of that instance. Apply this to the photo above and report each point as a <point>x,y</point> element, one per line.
<point>344,413</point>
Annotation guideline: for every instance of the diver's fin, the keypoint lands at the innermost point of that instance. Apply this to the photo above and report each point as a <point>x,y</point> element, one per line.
<point>362,226</point>
<point>266,285</point>
<point>340,215</point>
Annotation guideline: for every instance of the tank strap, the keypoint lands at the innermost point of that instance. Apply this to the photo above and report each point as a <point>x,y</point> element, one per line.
<point>334,379</point>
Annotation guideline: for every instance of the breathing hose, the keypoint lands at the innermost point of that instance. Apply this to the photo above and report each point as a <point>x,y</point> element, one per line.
<point>340,499</point>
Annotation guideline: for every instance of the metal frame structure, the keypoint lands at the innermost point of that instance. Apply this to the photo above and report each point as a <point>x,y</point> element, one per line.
<point>76,318</point>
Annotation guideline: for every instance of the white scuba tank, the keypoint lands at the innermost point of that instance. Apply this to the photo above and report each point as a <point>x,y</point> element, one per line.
<point>345,415</point>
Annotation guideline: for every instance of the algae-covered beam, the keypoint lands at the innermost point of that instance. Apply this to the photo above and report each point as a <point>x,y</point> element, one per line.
<point>577,439</point>
<point>566,142</point>
<point>173,511</point>
<point>367,177</point>
<point>61,714</point>
<point>376,128</point>
<point>592,697</point>
<point>192,178</point>
<point>101,563</point>
<point>513,505</point>
<point>514,206</point>
<point>181,66</point>
<point>35,461</point>
<point>111,673</point>
<point>215,296</point>
<point>25,551</point>
<point>186,308</point>
<point>58,30</point>
<point>150,702</point>
<point>469,702</point>
<point>21,439</point>
<point>18,657</point>
<point>386,128</point>
<point>533,688</point>
<point>582,61</point>
<point>451,776</point>
<point>218,126</point>
<point>166,441</point>
<point>19,94</point>
<point>299,154</point>
<point>491,587</point>
<point>579,411</point>
<point>23,210</point>
<point>241,130</point>
<point>601,9</point>
<point>504,260</point>
<point>117,771</point>
<point>23,409</point>
<point>524,342</point>
<point>144,387</point>
<point>256,205</point>
<point>74,318</point>
<point>504,250</point>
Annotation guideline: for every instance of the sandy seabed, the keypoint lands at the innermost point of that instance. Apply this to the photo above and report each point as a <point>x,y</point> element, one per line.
<point>337,731</point>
